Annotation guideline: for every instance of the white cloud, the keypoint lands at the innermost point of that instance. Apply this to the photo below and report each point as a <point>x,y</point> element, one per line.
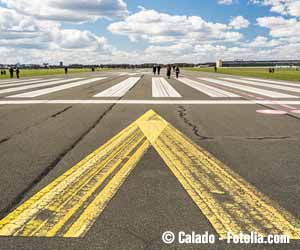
<point>239,22</point>
<point>17,30</point>
<point>31,35</point>
<point>263,42</point>
<point>69,10</point>
<point>225,2</point>
<point>28,36</point>
<point>156,27</point>
<point>280,27</point>
<point>284,7</point>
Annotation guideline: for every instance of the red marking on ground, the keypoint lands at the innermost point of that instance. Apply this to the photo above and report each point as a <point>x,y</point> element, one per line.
<point>296,111</point>
<point>288,106</point>
<point>271,112</point>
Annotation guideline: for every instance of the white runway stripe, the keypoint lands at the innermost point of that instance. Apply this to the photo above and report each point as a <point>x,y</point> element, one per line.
<point>276,82</point>
<point>27,83</point>
<point>206,89</point>
<point>263,92</point>
<point>17,81</point>
<point>120,89</point>
<point>128,74</point>
<point>46,91</point>
<point>154,102</point>
<point>269,85</point>
<point>161,88</point>
<point>39,85</point>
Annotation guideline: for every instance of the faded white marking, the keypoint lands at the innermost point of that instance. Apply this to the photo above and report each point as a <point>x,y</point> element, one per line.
<point>120,89</point>
<point>40,85</point>
<point>152,102</point>
<point>258,91</point>
<point>161,88</point>
<point>46,91</point>
<point>17,81</point>
<point>27,83</point>
<point>268,85</point>
<point>206,89</point>
<point>276,82</point>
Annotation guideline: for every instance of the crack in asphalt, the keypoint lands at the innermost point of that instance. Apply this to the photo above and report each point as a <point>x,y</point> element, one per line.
<point>147,242</point>
<point>35,124</point>
<point>61,112</point>
<point>20,197</point>
<point>269,138</point>
<point>258,138</point>
<point>4,140</point>
<point>183,115</point>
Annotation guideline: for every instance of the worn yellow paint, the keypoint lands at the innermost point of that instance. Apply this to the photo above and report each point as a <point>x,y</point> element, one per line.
<point>86,220</point>
<point>229,202</point>
<point>56,207</point>
<point>69,206</point>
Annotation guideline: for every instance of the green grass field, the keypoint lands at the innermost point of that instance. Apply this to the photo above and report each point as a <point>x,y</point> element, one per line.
<point>44,72</point>
<point>280,74</point>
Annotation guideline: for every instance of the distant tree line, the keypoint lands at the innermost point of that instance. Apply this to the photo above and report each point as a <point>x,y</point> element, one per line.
<point>83,66</point>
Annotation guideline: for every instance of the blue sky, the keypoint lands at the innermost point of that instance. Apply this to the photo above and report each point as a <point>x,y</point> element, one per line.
<point>136,31</point>
<point>208,10</point>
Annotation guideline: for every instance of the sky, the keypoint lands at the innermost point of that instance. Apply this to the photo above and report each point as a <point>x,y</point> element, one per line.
<point>136,31</point>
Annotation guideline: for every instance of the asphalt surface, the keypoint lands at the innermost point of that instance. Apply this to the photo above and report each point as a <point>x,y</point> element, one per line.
<point>40,142</point>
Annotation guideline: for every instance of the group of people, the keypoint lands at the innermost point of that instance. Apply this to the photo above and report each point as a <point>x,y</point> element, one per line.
<point>11,72</point>
<point>156,69</point>
<point>176,69</point>
<point>271,70</point>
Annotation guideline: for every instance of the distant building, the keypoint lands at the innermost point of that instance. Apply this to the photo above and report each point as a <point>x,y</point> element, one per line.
<point>46,65</point>
<point>61,64</point>
<point>271,63</point>
<point>219,63</point>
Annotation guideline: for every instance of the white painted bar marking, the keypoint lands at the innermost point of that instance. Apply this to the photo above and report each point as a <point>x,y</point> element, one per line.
<point>27,83</point>
<point>17,81</point>
<point>268,85</point>
<point>206,89</point>
<point>161,88</point>
<point>46,91</point>
<point>152,102</point>
<point>263,92</point>
<point>37,85</point>
<point>120,89</point>
<point>276,82</point>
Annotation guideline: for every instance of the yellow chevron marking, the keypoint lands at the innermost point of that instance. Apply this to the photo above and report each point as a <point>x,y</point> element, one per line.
<point>70,205</point>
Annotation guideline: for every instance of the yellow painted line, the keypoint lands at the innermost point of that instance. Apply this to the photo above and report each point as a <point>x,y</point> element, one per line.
<point>229,202</point>
<point>86,220</point>
<point>70,205</point>
<point>51,211</point>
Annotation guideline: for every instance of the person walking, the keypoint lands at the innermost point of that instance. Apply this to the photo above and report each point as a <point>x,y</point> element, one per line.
<point>11,72</point>
<point>66,70</point>
<point>216,69</point>
<point>18,72</point>
<point>169,69</point>
<point>158,69</point>
<point>177,72</point>
<point>154,70</point>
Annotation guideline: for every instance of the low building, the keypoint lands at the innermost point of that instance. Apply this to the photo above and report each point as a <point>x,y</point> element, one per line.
<point>219,63</point>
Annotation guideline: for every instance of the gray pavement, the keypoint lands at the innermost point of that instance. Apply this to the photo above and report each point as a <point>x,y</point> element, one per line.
<point>40,142</point>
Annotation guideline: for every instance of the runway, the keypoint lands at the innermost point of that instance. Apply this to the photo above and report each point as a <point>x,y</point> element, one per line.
<point>112,160</point>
